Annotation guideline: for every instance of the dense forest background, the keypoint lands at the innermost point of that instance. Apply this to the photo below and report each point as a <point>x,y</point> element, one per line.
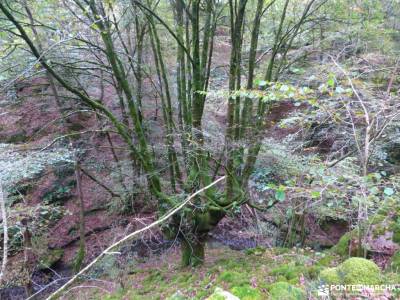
<point>199,149</point>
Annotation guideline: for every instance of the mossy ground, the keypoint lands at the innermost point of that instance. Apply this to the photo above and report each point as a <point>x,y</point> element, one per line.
<point>248,275</point>
<point>251,275</point>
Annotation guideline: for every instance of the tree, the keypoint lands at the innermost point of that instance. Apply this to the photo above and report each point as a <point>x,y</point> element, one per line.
<point>103,29</point>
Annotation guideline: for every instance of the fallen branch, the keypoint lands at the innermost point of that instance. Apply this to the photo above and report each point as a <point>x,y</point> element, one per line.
<point>130,236</point>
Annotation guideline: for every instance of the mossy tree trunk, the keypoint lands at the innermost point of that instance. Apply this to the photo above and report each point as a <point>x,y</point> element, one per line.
<point>192,252</point>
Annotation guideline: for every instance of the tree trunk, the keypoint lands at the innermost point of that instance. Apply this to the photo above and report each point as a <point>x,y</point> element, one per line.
<point>80,255</point>
<point>192,252</point>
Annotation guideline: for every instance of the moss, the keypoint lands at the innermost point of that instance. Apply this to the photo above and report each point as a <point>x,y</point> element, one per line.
<point>289,271</point>
<point>342,247</point>
<point>246,292</point>
<point>396,233</point>
<point>358,270</point>
<point>154,279</point>
<point>326,260</point>
<point>234,278</point>
<point>183,278</point>
<point>313,271</point>
<point>378,230</point>
<point>19,137</point>
<point>330,276</point>
<point>391,277</point>
<point>283,290</point>
<point>377,219</point>
<point>354,270</point>
<point>192,253</point>
<point>281,250</point>
<point>292,272</point>
<point>237,264</point>
<point>395,262</point>
<point>79,257</point>
<point>255,251</point>
<point>50,258</point>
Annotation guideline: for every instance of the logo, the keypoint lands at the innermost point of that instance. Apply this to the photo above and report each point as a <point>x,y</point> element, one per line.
<point>323,291</point>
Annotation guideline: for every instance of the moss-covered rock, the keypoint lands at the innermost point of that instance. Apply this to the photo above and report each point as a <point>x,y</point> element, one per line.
<point>220,294</point>
<point>354,270</point>
<point>358,270</point>
<point>284,290</point>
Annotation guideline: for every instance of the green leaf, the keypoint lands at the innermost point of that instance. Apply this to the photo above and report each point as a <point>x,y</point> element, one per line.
<point>331,81</point>
<point>280,195</point>
<point>315,194</point>
<point>388,191</point>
